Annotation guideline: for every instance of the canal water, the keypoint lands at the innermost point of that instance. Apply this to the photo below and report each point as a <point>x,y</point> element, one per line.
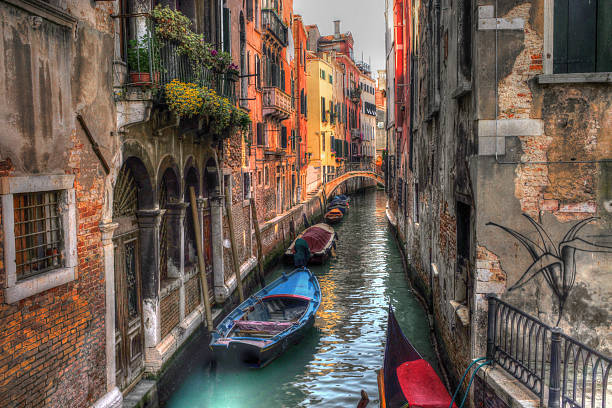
<point>339,356</point>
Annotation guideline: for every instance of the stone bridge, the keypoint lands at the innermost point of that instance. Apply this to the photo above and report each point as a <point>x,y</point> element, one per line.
<point>331,186</point>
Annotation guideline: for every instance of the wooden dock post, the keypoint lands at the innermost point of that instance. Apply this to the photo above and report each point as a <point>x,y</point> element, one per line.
<point>230,224</point>
<point>201,264</point>
<point>259,244</point>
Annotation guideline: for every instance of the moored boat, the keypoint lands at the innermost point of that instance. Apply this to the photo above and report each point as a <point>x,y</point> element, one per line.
<point>340,205</point>
<point>321,241</point>
<point>267,323</point>
<point>334,216</point>
<point>406,379</point>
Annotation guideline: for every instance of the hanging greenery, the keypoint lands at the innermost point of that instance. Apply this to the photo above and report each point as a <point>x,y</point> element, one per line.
<point>188,100</point>
<point>172,25</point>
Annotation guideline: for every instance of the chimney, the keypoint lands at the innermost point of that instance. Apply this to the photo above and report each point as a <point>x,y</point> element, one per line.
<point>337,29</point>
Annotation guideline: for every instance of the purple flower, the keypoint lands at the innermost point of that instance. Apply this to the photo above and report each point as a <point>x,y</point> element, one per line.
<point>213,53</point>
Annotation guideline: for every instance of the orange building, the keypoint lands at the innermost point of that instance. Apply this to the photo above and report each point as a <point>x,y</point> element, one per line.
<point>301,103</point>
<point>268,93</point>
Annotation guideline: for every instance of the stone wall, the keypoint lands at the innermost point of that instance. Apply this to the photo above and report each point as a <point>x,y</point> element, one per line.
<point>57,62</point>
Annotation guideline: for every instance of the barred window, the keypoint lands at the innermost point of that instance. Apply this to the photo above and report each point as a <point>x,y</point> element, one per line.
<point>38,233</point>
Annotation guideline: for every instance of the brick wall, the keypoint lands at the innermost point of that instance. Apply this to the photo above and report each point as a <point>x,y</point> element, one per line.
<point>52,348</point>
<point>169,310</point>
<point>192,294</point>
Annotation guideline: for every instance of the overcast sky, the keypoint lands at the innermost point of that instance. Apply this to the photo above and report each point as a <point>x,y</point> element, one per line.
<point>365,19</point>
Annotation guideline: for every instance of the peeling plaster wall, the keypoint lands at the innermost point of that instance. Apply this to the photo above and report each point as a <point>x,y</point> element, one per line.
<point>54,64</point>
<point>576,127</point>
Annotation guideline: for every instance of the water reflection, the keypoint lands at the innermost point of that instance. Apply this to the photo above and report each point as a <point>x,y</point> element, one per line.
<point>339,356</point>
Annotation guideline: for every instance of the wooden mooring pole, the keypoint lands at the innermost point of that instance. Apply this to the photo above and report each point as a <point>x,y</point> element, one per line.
<point>230,224</point>
<point>259,245</point>
<point>201,264</point>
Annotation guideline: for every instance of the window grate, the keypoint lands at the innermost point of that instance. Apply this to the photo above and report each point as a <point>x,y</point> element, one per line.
<point>38,233</point>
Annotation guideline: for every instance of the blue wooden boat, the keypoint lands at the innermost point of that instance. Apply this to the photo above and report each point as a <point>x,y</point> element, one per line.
<point>267,323</point>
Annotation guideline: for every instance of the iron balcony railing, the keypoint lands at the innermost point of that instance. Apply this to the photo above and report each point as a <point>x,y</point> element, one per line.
<point>155,62</point>
<point>273,23</point>
<point>560,370</point>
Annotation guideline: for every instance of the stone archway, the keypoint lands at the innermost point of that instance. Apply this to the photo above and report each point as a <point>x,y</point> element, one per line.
<point>132,194</point>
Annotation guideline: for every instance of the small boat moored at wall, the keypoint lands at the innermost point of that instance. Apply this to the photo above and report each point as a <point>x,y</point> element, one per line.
<point>267,323</point>
<point>334,216</point>
<point>321,241</point>
<point>406,379</point>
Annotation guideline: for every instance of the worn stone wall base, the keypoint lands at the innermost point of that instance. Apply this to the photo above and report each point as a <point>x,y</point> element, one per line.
<point>494,388</point>
<point>158,356</point>
<point>112,399</point>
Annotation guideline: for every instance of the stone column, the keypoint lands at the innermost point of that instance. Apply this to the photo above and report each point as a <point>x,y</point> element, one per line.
<point>148,223</point>
<point>113,395</point>
<point>176,221</point>
<point>216,214</point>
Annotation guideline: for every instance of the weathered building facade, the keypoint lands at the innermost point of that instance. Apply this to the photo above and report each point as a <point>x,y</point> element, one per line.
<point>56,144</point>
<point>503,167</point>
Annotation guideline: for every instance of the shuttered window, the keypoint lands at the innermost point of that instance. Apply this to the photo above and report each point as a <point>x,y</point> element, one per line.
<point>323,116</point>
<point>582,36</point>
<point>284,137</point>
<point>260,134</point>
<point>250,10</point>
<point>227,24</point>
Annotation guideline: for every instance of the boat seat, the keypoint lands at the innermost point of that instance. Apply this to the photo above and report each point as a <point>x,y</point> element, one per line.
<point>421,385</point>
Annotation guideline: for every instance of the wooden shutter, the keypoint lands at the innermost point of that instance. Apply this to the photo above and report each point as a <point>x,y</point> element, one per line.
<point>250,10</point>
<point>604,36</point>
<point>284,137</point>
<point>227,24</point>
<point>260,140</point>
<point>323,118</point>
<point>575,36</point>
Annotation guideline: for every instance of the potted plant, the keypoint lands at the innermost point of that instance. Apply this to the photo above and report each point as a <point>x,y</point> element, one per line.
<point>232,73</point>
<point>143,65</point>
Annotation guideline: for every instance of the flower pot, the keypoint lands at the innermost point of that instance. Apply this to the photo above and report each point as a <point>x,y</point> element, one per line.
<point>232,76</point>
<point>143,78</point>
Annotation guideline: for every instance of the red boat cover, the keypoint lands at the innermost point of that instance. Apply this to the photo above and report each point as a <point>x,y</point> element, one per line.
<point>317,238</point>
<point>421,385</point>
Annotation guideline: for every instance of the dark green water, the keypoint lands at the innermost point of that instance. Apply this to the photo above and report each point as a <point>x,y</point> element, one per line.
<point>339,356</point>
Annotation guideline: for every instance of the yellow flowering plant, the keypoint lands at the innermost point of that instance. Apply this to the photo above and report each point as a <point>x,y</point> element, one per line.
<point>188,100</point>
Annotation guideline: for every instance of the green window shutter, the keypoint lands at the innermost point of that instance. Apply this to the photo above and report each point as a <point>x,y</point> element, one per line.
<point>323,118</point>
<point>227,20</point>
<point>604,36</point>
<point>575,36</point>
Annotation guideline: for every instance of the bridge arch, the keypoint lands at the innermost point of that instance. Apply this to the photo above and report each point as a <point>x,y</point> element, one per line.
<point>332,186</point>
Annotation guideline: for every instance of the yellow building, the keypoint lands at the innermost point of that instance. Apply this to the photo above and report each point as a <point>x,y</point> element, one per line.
<point>319,83</point>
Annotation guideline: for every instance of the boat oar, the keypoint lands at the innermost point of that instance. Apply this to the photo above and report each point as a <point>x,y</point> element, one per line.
<point>201,264</point>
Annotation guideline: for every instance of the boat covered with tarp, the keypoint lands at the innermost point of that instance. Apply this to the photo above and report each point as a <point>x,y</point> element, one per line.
<point>267,323</point>
<point>406,379</point>
<point>321,242</point>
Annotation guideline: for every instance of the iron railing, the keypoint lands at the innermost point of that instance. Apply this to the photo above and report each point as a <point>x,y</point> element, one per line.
<point>560,370</point>
<point>156,62</point>
<point>273,23</point>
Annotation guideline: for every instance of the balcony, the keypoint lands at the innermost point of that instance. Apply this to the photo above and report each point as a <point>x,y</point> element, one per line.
<point>355,95</point>
<point>276,103</point>
<point>273,23</point>
<point>356,134</point>
<point>153,63</point>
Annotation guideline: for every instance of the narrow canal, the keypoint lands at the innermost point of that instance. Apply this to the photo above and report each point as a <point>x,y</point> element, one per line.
<point>339,356</point>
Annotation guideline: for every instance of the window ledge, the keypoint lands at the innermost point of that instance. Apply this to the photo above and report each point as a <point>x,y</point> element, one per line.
<point>585,77</point>
<point>38,284</point>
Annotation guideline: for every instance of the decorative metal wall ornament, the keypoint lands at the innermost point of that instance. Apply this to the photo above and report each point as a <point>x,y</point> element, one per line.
<point>557,263</point>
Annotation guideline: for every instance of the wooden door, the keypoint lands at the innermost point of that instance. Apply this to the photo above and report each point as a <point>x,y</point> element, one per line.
<point>129,335</point>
